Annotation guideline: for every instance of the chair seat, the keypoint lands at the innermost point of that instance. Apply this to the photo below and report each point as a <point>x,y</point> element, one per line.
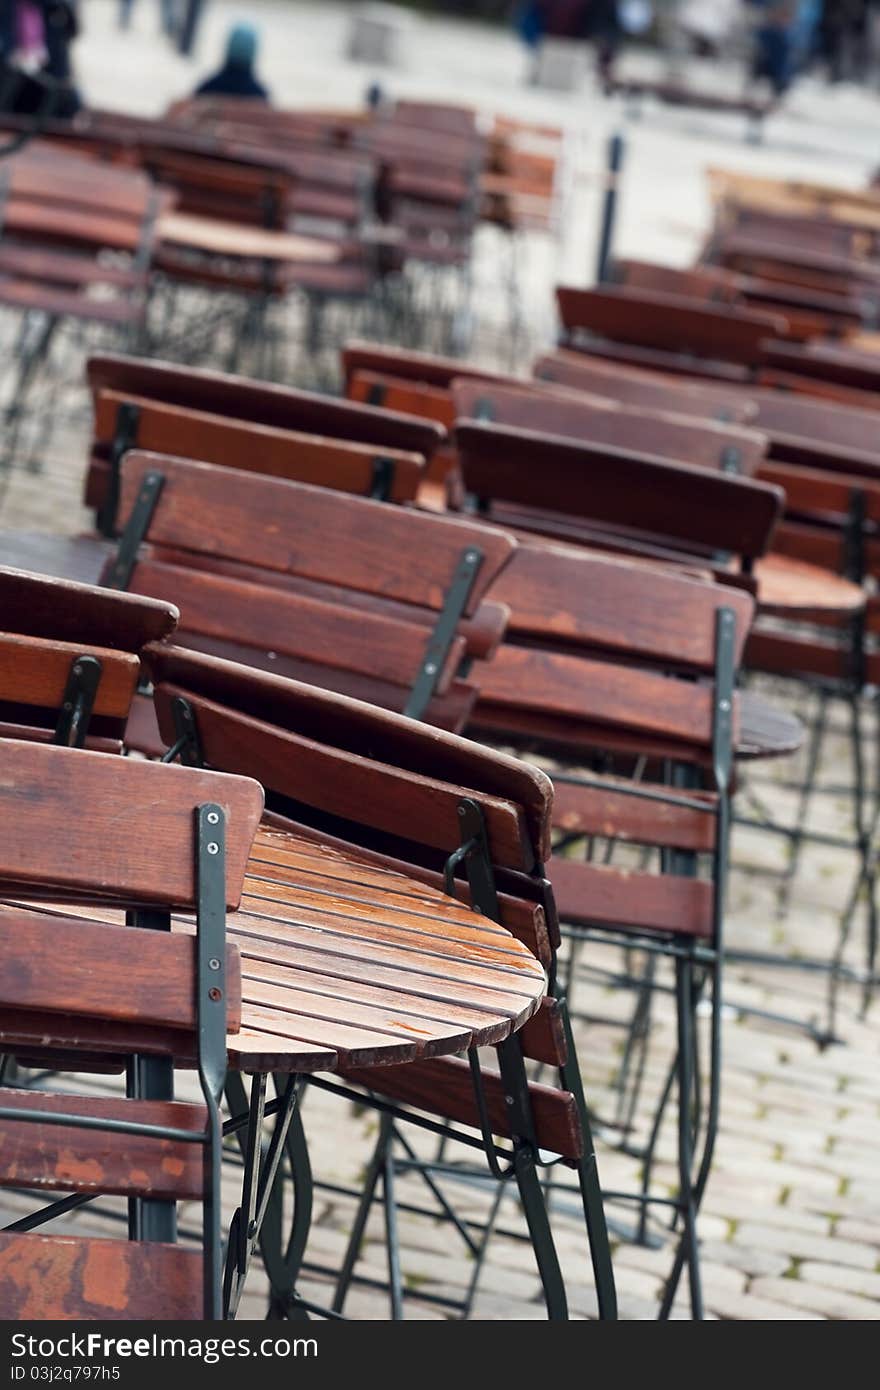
<point>789,588</point>
<point>367,964</point>
<point>766,731</point>
<point>52,1157</point>
<point>67,1278</point>
<point>81,558</point>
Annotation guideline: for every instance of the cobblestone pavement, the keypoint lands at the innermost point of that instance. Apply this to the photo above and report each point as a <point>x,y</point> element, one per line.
<point>790,1226</point>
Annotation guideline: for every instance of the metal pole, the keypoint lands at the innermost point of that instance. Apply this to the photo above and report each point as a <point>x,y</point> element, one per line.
<point>616,148</point>
<point>189,27</point>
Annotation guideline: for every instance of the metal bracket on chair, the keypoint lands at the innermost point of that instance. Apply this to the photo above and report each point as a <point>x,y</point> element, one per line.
<point>124,438</point>
<point>854,569</point>
<point>441,639</point>
<point>210,884</point>
<point>722,712</point>
<point>211,928</point>
<point>77,702</point>
<point>376,393</point>
<point>186,745</point>
<point>473,852</point>
<point>731,458</point>
<point>484,410</point>
<point>383,478</point>
<point>136,529</point>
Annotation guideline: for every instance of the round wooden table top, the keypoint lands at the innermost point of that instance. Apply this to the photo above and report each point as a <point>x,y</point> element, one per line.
<point>794,589</point>
<point>347,963</point>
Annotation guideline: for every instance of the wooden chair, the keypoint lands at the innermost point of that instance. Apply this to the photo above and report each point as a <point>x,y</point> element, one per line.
<point>69,659</point>
<point>667,332</point>
<point>241,402</point>
<point>810,313</point>
<point>683,439</point>
<point>646,390</point>
<point>468,822</point>
<point>615,498</point>
<point>154,839</point>
<point>343,590</point>
<point>76,242</point>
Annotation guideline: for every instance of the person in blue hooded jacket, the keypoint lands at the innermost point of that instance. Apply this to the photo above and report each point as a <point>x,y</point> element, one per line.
<point>236,78</point>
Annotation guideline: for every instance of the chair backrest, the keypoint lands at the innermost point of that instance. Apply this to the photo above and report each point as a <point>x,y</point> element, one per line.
<point>260,402</point>
<point>123,418</point>
<point>667,323</point>
<point>69,657</point>
<point>708,283</point>
<point>685,507</point>
<point>643,389</point>
<point>233,188</point>
<point>77,203</point>
<point>89,827</point>
<point>240,527</point>
<point>358,765</point>
<point>681,439</point>
<point>850,368</point>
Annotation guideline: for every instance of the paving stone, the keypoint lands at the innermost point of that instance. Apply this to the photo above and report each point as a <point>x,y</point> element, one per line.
<point>805,1247</point>
<point>830,1303</point>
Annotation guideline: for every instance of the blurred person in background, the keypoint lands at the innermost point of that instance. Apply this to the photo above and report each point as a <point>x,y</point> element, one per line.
<point>35,38</point>
<point>236,78</point>
<point>784,36</point>
<point>844,37</point>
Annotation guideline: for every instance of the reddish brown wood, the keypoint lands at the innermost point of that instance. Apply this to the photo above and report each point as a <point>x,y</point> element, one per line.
<point>51,1158</point>
<point>261,402</point>
<point>344,725</point>
<point>35,671</point>
<point>95,969</point>
<point>136,839</point>
<point>251,446</point>
<point>645,390</point>
<point>601,895</point>
<point>616,810</point>
<point>613,486</point>
<point>596,602</point>
<point>445,1088</point>
<point>76,1278</point>
<point>669,323</point>
<point>295,529</point>
<point>727,448</point>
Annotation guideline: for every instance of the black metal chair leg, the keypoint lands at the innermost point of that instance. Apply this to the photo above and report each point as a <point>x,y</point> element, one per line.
<point>374,1169</point>
<point>797,841</point>
<point>688,1249</point>
<point>532,1198</point>
<point>392,1237</point>
<point>588,1179</point>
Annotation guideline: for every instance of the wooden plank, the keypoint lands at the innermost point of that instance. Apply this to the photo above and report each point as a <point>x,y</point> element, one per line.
<point>616,810</point>
<point>566,595</point>
<point>136,840</point>
<point>60,609</point>
<point>79,1278</point>
<point>291,624</point>
<point>93,968</point>
<point>600,895</point>
<point>35,671</point>
<point>297,529</point>
<point>254,447</point>
<point>669,322</point>
<point>344,784</point>
<point>615,486</point>
<point>446,1088</point>
<point>644,390</point>
<point>261,402</point>
<point>51,1158</point>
